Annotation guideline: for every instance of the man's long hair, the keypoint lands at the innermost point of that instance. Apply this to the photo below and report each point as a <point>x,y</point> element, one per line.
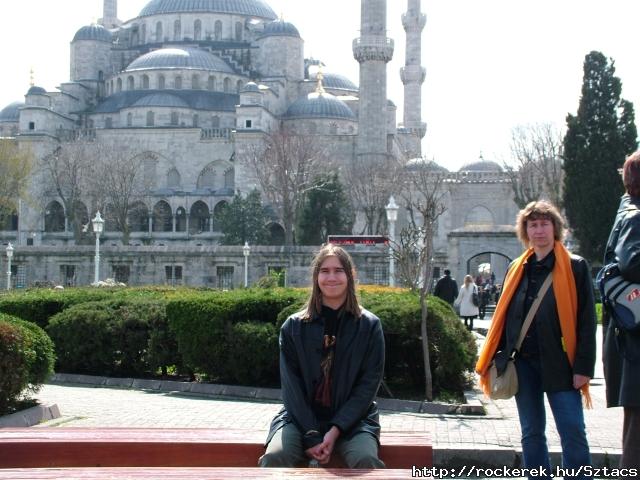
<point>314,304</point>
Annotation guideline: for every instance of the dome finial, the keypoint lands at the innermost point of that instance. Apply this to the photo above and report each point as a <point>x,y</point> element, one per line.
<point>320,77</point>
<point>31,80</point>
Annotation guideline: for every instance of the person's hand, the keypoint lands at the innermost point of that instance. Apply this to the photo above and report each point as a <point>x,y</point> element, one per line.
<point>314,452</point>
<point>327,445</point>
<point>579,381</point>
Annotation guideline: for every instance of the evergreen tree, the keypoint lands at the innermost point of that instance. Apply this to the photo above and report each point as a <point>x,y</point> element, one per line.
<point>595,146</point>
<point>244,220</point>
<point>326,211</point>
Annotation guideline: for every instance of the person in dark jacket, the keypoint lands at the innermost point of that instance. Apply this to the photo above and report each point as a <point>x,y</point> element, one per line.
<point>446,288</point>
<point>331,365</point>
<point>621,353</point>
<point>557,356</point>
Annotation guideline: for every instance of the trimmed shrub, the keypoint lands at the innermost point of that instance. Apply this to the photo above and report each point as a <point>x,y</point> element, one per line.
<point>253,354</point>
<point>26,360</point>
<point>114,337</point>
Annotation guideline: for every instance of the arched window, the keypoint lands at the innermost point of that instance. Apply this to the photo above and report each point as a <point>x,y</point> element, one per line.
<point>177,30</point>
<point>276,234</point>
<point>229,178</point>
<point>215,121</point>
<point>238,31</point>
<point>211,83</point>
<point>108,88</point>
<point>129,119</point>
<point>196,120</point>
<point>217,30</point>
<point>145,81</point>
<point>161,82</point>
<point>173,178</point>
<point>138,218</point>
<point>207,178</point>
<point>162,219</point>
<point>9,221</point>
<point>174,118</point>
<point>143,33</point>
<point>195,82</point>
<point>333,128</point>
<point>110,221</point>
<point>239,85</point>
<point>217,213</point>
<point>54,217</point>
<point>181,220</point>
<point>81,214</point>
<point>178,82</point>
<point>197,30</point>
<point>119,85</point>
<point>130,82</point>
<point>159,32</point>
<point>227,85</point>
<point>199,218</point>
<point>151,119</point>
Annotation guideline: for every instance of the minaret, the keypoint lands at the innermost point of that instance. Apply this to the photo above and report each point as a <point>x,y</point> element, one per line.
<point>373,50</point>
<point>110,14</point>
<point>413,74</point>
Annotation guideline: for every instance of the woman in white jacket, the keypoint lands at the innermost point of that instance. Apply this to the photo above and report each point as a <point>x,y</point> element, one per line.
<point>468,311</point>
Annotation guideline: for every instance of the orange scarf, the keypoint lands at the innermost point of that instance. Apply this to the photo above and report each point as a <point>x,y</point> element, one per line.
<point>564,289</point>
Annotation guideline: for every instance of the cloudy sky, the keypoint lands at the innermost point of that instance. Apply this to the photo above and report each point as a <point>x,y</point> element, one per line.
<point>491,64</point>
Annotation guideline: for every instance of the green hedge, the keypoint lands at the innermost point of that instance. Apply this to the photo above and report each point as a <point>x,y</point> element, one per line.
<point>122,337</point>
<point>26,360</point>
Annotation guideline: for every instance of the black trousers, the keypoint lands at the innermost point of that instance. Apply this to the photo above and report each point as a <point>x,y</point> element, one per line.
<point>631,438</point>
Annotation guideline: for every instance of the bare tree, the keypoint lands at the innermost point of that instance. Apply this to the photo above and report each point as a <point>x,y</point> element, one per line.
<point>119,186</point>
<point>423,198</point>
<point>371,181</point>
<point>15,169</point>
<point>65,174</point>
<point>538,173</point>
<point>286,166</point>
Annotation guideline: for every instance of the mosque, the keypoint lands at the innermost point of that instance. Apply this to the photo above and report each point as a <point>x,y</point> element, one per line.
<point>188,87</point>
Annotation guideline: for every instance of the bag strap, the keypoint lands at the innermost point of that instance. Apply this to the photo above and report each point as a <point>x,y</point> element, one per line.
<point>532,311</point>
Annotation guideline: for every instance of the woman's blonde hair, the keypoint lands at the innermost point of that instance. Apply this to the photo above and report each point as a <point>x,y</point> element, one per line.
<point>314,304</point>
<point>468,279</point>
<point>541,209</point>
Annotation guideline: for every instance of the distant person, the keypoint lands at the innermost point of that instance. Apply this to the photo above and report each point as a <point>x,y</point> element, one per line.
<point>557,356</point>
<point>468,311</point>
<point>446,288</point>
<point>331,365</point>
<point>492,278</point>
<point>484,297</point>
<point>621,354</point>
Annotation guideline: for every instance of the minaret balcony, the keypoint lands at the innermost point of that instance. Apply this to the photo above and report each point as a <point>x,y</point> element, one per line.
<point>412,74</point>
<point>373,48</point>
<point>412,22</point>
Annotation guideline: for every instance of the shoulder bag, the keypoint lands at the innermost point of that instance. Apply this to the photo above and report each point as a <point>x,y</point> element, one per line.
<point>506,385</point>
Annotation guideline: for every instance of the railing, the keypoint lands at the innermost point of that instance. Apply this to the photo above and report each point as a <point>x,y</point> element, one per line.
<point>214,133</point>
<point>71,135</point>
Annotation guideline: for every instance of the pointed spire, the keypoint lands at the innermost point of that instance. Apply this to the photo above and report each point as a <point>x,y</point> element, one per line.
<point>31,80</point>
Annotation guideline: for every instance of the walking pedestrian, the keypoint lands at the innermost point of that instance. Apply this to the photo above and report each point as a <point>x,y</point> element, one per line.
<point>468,310</point>
<point>446,288</point>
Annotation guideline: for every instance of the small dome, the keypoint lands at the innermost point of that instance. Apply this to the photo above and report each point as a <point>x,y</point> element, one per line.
<point>11,113</point>
<point>36,91</point>
<point>280,28</point>
<point>336,82</point>
<point>319,106</point>
<point>187,58</point>
<point>250,87</point>
<point>420,163</point>
<point>481,166</point>
<point>161,100</point>
<point>252,8</point>
<point>93,32</point>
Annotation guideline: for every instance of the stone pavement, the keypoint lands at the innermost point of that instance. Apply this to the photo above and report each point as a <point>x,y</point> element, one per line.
<point>490,440</point>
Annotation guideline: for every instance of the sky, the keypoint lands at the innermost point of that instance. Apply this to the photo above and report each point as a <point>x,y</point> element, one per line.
<point>491,64</point>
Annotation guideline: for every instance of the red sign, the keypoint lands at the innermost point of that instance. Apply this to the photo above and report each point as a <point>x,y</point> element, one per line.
<point>358,240</point>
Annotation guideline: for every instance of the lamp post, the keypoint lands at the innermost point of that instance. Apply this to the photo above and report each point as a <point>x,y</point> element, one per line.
<point>9,257</point>
<point>392,215</point>
<point>98,225</point>
<point>245,251</point>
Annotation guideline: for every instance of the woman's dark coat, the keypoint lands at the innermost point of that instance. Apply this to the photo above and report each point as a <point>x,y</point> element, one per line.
<point>622,372</point>
<point>356,376</point>
<point>557,372</point>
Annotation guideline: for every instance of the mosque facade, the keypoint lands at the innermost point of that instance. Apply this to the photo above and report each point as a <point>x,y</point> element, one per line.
<point>189,87</point>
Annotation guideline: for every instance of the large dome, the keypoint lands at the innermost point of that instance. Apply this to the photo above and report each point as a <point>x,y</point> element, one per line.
<point>335,81</point>
<point>481,166</point>
<point>319,106</point>
<point>189,58</point>
<point>93,32</point>
<point>11,113</point>
<point>253,8</point>
<point>280,28</point>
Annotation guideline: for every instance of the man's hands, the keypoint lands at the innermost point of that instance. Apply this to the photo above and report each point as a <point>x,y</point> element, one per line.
<point>579,380</point>
<point>322,452</point>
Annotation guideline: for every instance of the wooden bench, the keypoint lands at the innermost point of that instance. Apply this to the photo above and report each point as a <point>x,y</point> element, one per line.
<point>175,447</point>
<point>197,473</point>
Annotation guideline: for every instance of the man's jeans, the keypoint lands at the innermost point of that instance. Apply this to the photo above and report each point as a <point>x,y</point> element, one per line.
<point>567,412</point>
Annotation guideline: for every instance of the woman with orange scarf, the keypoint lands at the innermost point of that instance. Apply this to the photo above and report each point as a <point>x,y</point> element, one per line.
<point>557,356</point>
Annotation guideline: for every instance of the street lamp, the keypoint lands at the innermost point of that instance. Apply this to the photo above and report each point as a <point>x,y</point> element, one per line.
<point>392,215</point>
<point>98,225</point>
<point>245,251</point>
<point>9,257</point>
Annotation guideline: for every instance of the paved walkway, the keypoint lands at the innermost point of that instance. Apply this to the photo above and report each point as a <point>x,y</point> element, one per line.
<point>494,438</point>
